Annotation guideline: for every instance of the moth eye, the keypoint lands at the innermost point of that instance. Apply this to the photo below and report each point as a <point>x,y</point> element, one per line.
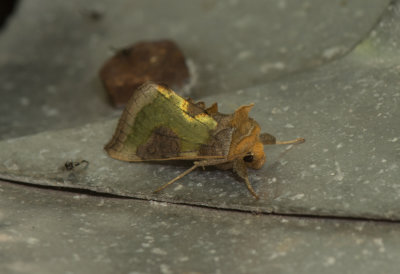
<point>248,158</point>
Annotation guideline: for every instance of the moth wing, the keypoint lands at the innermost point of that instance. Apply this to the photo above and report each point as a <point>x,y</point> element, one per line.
<point>157,124</point>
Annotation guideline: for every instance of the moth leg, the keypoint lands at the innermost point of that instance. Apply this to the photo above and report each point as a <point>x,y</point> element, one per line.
<point>239,167</point>
<point>295,141</point>
<point>176,178</point>
<point>203,164</point>
<point>211,162</point>
<point>268,139</point>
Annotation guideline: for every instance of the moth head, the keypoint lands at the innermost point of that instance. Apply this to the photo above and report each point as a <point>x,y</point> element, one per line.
<point>255,158</point>
<point>246,139</point>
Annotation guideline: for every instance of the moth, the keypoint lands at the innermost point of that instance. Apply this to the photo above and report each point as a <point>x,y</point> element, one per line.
<point>159,125</point>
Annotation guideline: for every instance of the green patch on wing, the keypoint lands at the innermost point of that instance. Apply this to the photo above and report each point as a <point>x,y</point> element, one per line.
<point>171,111</point>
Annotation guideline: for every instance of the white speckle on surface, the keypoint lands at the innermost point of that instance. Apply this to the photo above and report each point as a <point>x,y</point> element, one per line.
<point>289,147</point>
<point>283,50</point>
<point>51,89</point>
<point>81,196</point>
<point>233,2</point>
<point>347,87</point>
<point>325,150</point>
<point>283,87</point>
<point>9,164</point>
<point>340,145</point>
<point>383,160</point>
<point>234,231</point>
<point>329,261</point>
<point>165,269</point>
<point>244,54</point>
<point>103,169</point>
<point>155,203</point>
<point>282,5</point>
<point>267,67</point>
<point>366,252</point>
<point>379,243</point>
<point>49,111</point>
<point>243,22</point>
<point>283,162</point>
<point>24,101</point>
<point>395,139</point>
<point>101,203</point>
<point>178,187</point>
<point>359,13</point>
<point>297,197</point>
<point>183,259</point>
<point>275,110</point>
<point>329,53</point>
<point>378,105</point>
<point>149,238</point>
<point>271,180</point>
<point>339,174</point>
<point>41,152</point>
<point>313,166</point>
<point>289,126</point>
<point>158,251</point>
<point>76,257</point>
<point>276,255</point>
<point>32,241</point>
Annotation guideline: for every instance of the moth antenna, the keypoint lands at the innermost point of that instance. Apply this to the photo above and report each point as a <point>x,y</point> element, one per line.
<point>295,141</point>
<point>250,188</point>
<point>176,178</point>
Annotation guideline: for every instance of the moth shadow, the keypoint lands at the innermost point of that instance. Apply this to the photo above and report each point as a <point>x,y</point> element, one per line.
<point>272,170</point>
<point>184,165</point>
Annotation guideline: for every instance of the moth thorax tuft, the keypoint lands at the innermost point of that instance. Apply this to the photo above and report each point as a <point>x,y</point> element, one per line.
<point>257,151</point>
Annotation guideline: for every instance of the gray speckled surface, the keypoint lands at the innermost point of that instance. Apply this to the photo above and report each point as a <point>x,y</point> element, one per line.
<point>348,167</point>
<point>60,232</point>
<point>345,107</point>
<point>50,53</point>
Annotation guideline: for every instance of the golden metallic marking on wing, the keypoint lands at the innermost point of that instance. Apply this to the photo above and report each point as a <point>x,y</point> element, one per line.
<point>165,91</point>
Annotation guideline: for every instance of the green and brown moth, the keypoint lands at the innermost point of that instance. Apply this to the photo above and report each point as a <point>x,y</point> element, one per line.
<point>159,125</point>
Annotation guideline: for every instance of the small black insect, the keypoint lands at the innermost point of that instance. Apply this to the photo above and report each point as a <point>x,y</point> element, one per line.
<point>70,165</point>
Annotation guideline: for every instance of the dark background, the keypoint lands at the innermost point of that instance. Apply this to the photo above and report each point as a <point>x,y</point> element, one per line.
<point>7,7</point>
